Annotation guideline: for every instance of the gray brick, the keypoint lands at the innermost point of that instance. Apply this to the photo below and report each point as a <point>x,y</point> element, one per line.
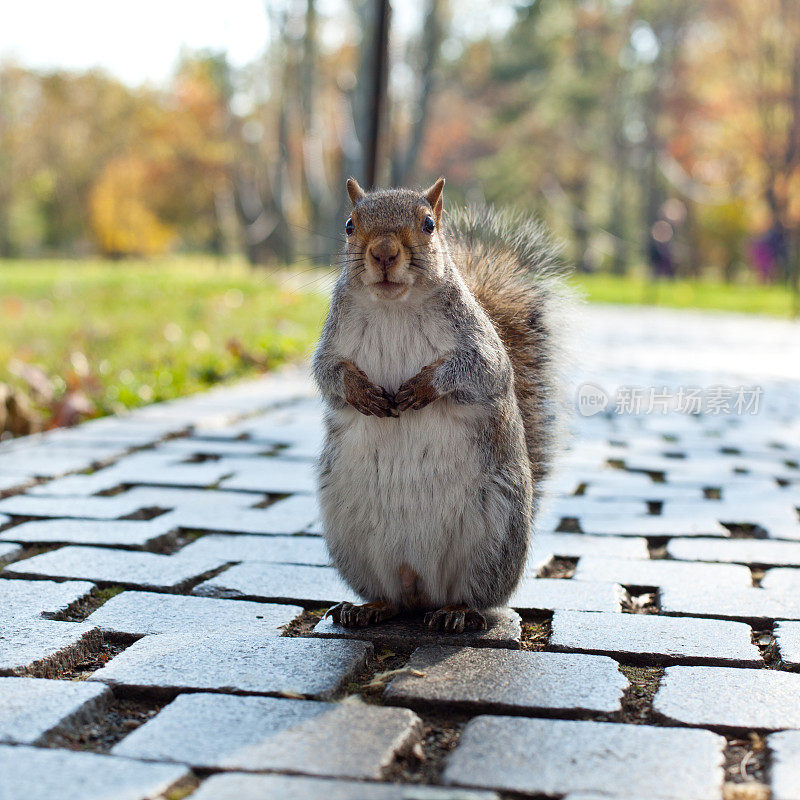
<point>488,679</point>
<point>31,505</point>
<point>740,551</point>
<point>782,580</point>
<point>554,757</point>
<point>263,581</point>
<point>8,552</point>
<point>14,480</point>
<point>288,787</point>
<point>33,773</point>
<point>730,698</point>
<point>119,533</point>
<point>309,550</point>
<point>291,515</point>
<point>236,661</point>
<point>546,594</point>
<point>785,765</point>
<point>715,601</point>
<point>43,648</point>
<point>115,566</point>
<point>32,707</point>
<point>659,639</point>
<point>149,612</point>
<point>273,475</point>
<point>503,630</point>
<point>788,636</point>
<point>263,733</point>
<point>30,599</point>
<point>574,545</point>
<point>659,525</point>
<point>661,572</point>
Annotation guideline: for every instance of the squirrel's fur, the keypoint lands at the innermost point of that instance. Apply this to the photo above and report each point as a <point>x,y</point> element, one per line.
<point>437,365</point>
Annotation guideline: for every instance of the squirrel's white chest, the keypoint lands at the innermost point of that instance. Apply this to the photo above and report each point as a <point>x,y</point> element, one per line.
<point>394,344</point>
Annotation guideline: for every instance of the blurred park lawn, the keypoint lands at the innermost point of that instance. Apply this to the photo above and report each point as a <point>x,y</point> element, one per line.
<point>127,333</point>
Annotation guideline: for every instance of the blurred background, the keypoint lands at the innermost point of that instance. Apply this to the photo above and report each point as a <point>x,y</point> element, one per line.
<point>171,174</point>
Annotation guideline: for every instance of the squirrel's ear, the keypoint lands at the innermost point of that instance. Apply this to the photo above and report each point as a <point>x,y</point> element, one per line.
<point>434,196</point>
<point>354,190</point>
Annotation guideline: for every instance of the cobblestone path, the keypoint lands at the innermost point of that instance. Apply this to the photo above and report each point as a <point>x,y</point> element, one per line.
<point>164,580</point>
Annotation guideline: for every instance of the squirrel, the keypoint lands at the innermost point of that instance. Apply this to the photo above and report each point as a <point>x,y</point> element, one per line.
<point>438,368</point>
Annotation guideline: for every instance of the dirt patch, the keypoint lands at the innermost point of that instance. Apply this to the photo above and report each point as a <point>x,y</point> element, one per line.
<point>558,567</point>
<point>657,546</point>
<point>746,768</point>
<point>269,500</point>
<point>745,530</point>
<point>183,788</point>
<point>151,512</point>
<point>640,600</point>
<point>637,700</point>
<point>122,716</point>
<point>536,630</point>
<point>426,760</point>
<point>764,640</point>
<point>305,623</point>
<point>377,674</point>
<point>109,647</point>
<point>569,525</point>
<point>80,609</point>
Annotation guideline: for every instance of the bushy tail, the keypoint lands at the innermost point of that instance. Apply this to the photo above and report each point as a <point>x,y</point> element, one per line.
<point>512,267</point>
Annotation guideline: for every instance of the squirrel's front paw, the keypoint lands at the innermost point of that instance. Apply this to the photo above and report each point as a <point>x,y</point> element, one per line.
<point>364,395</point>
<point>417,392</point>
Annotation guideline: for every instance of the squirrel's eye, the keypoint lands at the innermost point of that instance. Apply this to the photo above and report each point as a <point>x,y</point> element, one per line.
<point>429,226</point>
<point>349,227</point>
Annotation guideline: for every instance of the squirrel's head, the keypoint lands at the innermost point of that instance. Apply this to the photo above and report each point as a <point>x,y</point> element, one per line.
<point>394,241</point>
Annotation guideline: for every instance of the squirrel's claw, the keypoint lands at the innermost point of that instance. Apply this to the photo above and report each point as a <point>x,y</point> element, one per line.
<point>456,619</point>
<point>349,615</point>
<point>418,391</point>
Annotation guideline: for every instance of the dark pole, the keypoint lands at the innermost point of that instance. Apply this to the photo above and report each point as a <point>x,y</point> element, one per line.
<point>377,97</point>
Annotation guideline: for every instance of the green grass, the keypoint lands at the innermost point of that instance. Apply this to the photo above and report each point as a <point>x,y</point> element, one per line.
<point>753,298</point>
<point>130,332</point>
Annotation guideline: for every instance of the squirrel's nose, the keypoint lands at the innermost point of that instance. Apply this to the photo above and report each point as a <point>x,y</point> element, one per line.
<point>384,252</point>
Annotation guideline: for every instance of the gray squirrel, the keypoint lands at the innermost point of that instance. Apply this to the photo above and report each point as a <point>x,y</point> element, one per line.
<point>438,366</point>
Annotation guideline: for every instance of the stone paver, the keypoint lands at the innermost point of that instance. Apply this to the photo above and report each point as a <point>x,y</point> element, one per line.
<point>268,734</point>
<point>756,604</point>
<point>656,639</point>
<point>574,545</point>
<point>291,583</point>
<point>482,679</point>
<point>257,787</point>
<point>8,552</point>
<point>730,698</point>
<point>308,550</point>
<point>782,579</point>
<point>740,551</point>
<point>30,599</point>
<point>291,515</point>
<point>115,566</point>
<point>662,572</point>
<point>554,757</point>
<point>279,476</point>
<point>44,649</point>
<point>546,594</point>
<point>662,525</point>
<point>32,707</point>
<point>236,661</point>
<point>503,630</point>
<point>788,636</point>
<point>785,765</point>
<point>140,613</point>
<point>42,774</point>
<point>119,533</point>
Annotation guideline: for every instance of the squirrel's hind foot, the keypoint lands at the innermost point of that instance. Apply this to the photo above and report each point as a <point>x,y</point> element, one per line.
<point>350,615</point>
<point>456,619</point>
